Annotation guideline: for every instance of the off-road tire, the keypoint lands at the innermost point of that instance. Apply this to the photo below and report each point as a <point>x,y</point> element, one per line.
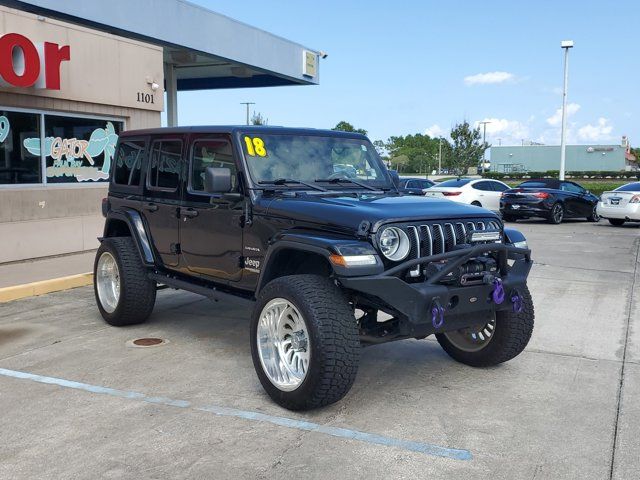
<point>334,340</point>
<point>512,333</point>
<point>553,219</point>
<point>616,222</point>
<point>137,291</point>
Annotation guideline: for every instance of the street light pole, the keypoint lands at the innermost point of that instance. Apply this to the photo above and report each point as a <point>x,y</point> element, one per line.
<point>247,104</point>
<point>566,44</point>
<point>484,153</point>
<point>440,157</point>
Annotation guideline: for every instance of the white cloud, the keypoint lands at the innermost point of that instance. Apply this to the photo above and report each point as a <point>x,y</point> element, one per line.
<point>555,119</point>
<point>595,133</point>
<point>508,131</point>
<point>435,131</point>
<point>488,78</point>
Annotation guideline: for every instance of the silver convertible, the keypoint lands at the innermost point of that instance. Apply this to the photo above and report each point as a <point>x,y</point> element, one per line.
<point>621,205</point>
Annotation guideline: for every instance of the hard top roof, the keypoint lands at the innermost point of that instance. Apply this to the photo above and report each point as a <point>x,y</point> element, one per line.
<point>251,129</point>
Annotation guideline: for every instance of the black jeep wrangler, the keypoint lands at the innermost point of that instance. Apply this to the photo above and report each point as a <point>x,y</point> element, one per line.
<point>309,229</point>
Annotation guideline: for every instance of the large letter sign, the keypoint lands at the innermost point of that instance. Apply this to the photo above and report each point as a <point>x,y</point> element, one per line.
<point>25,64</point>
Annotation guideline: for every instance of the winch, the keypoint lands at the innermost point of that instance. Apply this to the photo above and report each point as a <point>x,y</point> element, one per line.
<point>471,273</point>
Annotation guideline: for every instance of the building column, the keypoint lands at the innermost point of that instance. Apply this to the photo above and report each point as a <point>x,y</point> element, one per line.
<point>171,87</point>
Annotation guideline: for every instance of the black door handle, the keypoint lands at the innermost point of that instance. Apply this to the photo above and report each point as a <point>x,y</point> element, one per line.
<point>152,207</point>
<point>188,212</point>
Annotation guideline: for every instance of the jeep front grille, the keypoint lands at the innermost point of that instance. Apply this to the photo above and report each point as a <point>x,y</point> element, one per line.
<point>432,238</point>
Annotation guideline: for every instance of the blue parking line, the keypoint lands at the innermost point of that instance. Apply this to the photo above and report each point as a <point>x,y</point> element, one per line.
<point>372,438</point>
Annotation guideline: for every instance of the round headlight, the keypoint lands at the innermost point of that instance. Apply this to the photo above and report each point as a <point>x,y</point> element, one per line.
<point>394,244</point>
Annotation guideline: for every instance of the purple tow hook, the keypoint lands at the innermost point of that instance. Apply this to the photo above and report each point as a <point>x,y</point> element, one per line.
<point>437,314</point>
<point>516,299</point>
<point>498,292</point>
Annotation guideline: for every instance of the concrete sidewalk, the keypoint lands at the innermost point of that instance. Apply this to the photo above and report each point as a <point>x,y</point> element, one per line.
<point>29,271</point>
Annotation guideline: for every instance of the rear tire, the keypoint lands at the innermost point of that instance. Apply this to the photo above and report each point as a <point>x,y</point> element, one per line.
<point>594,217</point>
<point>616,222</point>
<point>557,214</point>
<point>124,293</point>
<point>326,338</point>
<point>510,336</point>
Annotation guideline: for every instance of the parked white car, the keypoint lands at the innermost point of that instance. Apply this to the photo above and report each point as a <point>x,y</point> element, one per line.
<point>621,205</point>
<point>481,191</point>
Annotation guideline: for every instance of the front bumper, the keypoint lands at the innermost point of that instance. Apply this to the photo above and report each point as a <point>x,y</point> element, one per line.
<point>630,211</point>
<point>464,306</point>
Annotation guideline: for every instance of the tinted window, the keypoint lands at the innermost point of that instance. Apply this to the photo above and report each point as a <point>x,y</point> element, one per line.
<point>454,183</point>
<point>412,184</point>
<point>537,184</point>
<point>572,187</point>
<point>210,153</point>
<point>484,186</point>
<point>499,187</point>
<point>165,164</point>
<point>19,160</point>
<point>128,162</point>
<point>629,187</point>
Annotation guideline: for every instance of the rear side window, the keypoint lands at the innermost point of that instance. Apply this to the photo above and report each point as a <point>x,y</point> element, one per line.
<point>165,164</point>
<point>499,187</point>
<point>484,186</point>
<point>128,162</point>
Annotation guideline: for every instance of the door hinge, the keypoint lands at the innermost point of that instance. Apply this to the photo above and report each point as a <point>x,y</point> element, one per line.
<point>175,248</point>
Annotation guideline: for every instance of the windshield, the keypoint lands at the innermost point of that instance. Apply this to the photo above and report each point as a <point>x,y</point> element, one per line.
<point>629,187</point>
<point>311,158</point>
<point>458,182</point>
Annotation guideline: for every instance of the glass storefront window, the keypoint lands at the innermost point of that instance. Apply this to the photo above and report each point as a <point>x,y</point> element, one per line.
<point>77,149</point>
<point>18,165</point>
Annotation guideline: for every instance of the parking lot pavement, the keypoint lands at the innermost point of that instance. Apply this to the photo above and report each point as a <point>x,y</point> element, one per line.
<point>566,408</point>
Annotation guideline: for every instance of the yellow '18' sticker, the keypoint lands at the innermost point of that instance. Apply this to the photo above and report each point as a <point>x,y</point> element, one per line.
<point>255,146</point>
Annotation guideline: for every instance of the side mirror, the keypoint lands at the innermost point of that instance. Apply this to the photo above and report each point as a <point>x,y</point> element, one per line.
<point>395,178</point>
<point>217,180</point>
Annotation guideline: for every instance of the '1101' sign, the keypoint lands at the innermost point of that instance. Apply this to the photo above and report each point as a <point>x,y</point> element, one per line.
<point>25,64</point>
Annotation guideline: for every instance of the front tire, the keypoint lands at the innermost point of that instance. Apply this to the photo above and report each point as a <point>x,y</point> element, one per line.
<point>616,222</point>
<point>304,342</point>
<point>500,340</point>
<point>124,293</point>
<point>594,217</point>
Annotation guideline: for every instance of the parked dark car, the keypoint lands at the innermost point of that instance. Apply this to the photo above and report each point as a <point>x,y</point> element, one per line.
<point>548,198</point>
<point>414,186</point>
<point>261,216</point>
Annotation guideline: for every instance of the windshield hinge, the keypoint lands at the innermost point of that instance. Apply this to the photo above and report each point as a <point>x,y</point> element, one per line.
<point>363,229</point>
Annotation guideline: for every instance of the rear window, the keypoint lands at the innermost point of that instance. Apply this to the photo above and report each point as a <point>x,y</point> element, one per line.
<point>629,187</point>
<point>535,185</point>
<point>128,161</point>
<point>458,182</point>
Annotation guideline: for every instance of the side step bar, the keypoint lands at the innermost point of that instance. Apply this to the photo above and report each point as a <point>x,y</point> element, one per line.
<point>209,292</point>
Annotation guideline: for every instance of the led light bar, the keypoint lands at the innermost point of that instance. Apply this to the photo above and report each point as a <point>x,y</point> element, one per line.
<point>485,236</point>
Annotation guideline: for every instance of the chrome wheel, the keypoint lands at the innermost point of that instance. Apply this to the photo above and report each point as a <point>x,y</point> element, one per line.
<point>557,213</point>
<point>594,215</point>
<point>472,339</point>
<point>108,282</point>
<point>283,344</point>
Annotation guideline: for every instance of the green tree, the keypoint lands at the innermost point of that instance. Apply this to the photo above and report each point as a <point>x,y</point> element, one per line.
<point>347,127</point>
<point>467,148</point>
<point>399,163</point>
<point>421,151</point>
<point>258,119</point>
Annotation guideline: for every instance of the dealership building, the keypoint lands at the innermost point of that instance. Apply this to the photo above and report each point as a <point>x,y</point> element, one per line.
<point>579,158</point>
<point>76,73</point>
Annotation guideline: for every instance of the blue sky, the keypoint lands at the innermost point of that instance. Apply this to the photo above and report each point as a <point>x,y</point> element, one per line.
<point>396,68</point>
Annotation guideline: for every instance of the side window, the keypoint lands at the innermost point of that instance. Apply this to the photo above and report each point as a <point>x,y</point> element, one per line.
<point>165,164</point>
<point>499,187</point>
<point>484,186</point>
<point>424,184</point>
<point>411,184</point>
<point>571,187</point>
<point>128,162</point>
<point>210,153</point>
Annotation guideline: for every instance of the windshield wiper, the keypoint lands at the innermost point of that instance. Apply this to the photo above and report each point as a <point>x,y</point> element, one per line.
<point>349,180</point>
<point>284,181</point>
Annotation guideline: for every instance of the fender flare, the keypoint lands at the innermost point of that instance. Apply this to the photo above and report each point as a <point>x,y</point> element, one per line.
<point>136,225</point>
<point>512,236</point>
<point>323,246</point>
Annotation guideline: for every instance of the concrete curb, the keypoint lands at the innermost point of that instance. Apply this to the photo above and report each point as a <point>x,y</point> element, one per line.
<point>16,292</point>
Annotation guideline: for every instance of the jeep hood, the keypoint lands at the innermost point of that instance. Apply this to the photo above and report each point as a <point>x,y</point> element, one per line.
<point>349,211</point>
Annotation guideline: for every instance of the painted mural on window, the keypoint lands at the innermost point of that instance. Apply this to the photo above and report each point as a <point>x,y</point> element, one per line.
<point>76,149</point>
